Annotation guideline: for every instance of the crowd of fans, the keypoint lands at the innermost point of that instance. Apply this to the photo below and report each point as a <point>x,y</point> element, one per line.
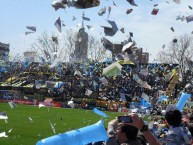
<point>79,78</point>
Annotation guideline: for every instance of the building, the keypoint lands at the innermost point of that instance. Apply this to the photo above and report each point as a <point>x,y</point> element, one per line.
<point>30,56</point>
<point>81,45</point>
<point>145,58</point>
<point>4,52</point>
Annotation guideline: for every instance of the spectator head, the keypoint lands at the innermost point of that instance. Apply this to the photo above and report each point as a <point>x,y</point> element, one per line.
<point>173,116</point>
<point>126,132</point>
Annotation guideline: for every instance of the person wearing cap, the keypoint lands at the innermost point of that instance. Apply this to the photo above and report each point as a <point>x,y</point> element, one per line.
<point>122,134</point>
<point>176,135</point>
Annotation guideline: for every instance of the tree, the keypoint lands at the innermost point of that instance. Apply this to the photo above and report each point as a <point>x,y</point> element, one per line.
<point>96,51</point>
<point>180,52</point>
<point>69,41</point>
<point>50,47</point>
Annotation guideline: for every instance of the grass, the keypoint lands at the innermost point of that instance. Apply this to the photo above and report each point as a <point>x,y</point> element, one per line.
<point>26,132</point>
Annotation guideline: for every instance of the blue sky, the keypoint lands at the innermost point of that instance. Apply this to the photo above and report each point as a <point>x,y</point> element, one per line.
<point>150,31</point>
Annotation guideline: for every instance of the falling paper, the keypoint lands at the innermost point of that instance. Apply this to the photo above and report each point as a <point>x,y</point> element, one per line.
<point>112,70</point>
<point>122,30</point>
<point>3,134</point>
<point>91,28</point>
<point>129,11</point>
<point>172,29</point>
<point>26,33</point>
<point>177,1</point>
<point>74,18</point>
<point>122,95</point>
<point>58,24</point>
<point>71,104</point>
<point>110,31</point>
<point>145,97</point>
<point>88,92</point>
<point>109,10</point>
<point>84,4</point>
<point>3,115</point>
<point>41,105</point>
<point>59,4</point>
<point>104,80</point>
<point>154,11</point>
<point>12,104</point>
<point>189,18</point>
<point>163,46</point>
<point>102,11</point>
<point>132,2</point>
<point>30,119</point>
<point>127,46</point>
<point>10,130</point>
<point>53,128</point>
<point>33,28</point>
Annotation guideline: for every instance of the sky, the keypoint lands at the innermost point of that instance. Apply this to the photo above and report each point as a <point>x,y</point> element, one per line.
<point>150,32</point>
